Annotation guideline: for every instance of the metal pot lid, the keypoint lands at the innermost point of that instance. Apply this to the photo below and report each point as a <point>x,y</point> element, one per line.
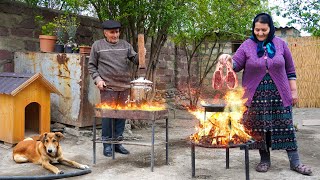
<point>141,80</point>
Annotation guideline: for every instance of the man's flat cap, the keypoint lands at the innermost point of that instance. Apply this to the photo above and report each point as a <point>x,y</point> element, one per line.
<point>111,24</point>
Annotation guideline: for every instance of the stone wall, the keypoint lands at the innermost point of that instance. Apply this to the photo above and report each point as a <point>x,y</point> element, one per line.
<point>19,32</point>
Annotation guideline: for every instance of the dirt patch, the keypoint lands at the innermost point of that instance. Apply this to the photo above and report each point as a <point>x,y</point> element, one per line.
<point>210,163</point>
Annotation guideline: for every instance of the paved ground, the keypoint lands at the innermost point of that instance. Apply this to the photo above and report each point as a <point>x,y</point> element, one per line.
<point>210,163</point>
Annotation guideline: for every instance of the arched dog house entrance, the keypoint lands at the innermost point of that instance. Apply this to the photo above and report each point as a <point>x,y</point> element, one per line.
<point>32,119</point>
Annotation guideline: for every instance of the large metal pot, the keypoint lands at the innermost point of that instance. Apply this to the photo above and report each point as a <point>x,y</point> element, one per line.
<point>139,89</point>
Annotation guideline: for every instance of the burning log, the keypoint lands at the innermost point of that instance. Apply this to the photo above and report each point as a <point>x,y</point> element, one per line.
<point>222,128</point>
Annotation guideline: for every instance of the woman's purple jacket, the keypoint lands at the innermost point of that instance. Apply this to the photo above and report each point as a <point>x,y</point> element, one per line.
<point>255,68</point>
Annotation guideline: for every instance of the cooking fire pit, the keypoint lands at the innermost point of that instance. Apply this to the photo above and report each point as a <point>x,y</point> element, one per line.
<point>152,116</point>
<point>218,140</point>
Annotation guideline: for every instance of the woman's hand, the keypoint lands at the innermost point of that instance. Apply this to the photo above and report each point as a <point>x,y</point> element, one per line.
<point>225,58</point>
<point>294,97</point>
<point>294,91</point>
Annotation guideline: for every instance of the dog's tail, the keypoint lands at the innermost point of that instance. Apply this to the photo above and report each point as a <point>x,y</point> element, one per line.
<point>36,138</point>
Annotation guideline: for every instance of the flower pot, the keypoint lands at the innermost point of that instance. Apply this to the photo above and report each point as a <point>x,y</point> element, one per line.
<point>47,43</point>
<point>85,50</point>
<point>59,48</point>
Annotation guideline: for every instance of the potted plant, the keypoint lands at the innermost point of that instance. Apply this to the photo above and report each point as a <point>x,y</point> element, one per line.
<point>60,23</point>
<point>47,37</point>
<point>75,49</point>
<point>84,49</point>
<point>71,28</point>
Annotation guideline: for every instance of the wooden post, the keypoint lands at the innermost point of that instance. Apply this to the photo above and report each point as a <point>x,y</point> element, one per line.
<point>141,53</point>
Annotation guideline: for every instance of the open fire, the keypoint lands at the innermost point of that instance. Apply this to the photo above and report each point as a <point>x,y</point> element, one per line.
<point>222,128</point>
<point>133,106</point>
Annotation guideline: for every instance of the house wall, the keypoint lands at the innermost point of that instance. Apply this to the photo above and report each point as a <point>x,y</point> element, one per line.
<point>287,32</point>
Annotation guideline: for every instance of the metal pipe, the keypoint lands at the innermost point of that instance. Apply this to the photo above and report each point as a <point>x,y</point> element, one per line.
<point>193,160</point>
<point>94,140</point>
<point>167,142</point>
<point>227,157</point>
<point>50,176</point>
<point>247,161</point>
<point>152,145</point>
<point>112,137</point>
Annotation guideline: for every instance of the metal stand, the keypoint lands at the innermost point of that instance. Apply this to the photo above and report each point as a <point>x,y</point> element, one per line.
<point>220,108</point>
<point>244,146</point>
<point>113,141</point>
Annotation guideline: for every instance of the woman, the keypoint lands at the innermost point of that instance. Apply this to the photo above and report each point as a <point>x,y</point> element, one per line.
<point>270,81</point>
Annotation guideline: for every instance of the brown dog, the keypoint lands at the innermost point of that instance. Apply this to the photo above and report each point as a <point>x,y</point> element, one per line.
<point>43,150</point>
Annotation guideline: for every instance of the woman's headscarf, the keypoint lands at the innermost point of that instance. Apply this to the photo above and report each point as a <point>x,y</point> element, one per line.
<point>268,42</point>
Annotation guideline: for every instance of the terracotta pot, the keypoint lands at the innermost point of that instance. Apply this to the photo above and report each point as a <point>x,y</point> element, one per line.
<point>85,50</point>
<point>47,43</point>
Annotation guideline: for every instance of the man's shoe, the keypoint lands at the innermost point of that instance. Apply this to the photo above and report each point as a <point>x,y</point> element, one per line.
<point>107,151</point>
<point>120,149</point>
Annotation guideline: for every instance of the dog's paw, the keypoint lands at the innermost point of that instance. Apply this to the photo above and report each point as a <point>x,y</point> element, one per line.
<point>60,172</point>
<point>82,166</point>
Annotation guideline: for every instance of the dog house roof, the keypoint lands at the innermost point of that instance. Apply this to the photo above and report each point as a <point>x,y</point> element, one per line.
<point>13,83</point>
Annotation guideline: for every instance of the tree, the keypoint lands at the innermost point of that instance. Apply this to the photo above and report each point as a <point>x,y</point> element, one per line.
<point>71,6</point>
<point>209,24</point>
<point>305,13</point>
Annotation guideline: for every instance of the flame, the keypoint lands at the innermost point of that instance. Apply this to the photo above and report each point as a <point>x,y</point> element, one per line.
<point>147,106</point>
<point>222,128</point>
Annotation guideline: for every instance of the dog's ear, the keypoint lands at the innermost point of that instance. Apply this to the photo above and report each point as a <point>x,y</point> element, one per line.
<point>43,137</point>
<point>59,135</point>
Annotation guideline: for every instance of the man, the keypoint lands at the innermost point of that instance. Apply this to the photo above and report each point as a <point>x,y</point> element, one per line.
<point>109,66</point>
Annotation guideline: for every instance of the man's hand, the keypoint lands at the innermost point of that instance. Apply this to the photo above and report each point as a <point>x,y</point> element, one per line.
<point>101,85</point>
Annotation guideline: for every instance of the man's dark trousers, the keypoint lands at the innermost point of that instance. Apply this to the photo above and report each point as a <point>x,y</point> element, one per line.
<point>118,97</point>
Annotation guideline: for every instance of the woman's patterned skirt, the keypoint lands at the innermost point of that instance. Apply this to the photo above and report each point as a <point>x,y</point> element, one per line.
<point>268,121</point>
